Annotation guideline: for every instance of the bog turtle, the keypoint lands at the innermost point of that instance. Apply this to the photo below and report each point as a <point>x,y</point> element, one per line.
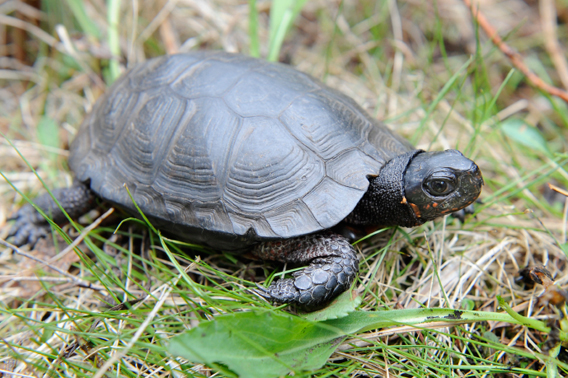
<point>240,154</point>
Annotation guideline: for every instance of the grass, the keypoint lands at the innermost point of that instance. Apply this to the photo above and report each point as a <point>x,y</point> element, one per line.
<point>422,66</point>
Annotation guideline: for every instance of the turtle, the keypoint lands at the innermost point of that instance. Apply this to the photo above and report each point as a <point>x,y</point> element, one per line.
<point>243,155</point>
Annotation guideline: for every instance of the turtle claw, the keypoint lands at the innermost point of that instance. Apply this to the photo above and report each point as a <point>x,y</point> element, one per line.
<point>261,291</point>
<point>28,228</point>
<point>281,291</point>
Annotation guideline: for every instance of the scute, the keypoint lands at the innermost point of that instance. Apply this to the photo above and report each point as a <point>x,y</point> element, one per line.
<point>254,95</point>
<point>227,150</point>
<point>196,82</point>
<point>293,218</point>
<point>352,167</point>
<point>325,125</point>
<point>141,148</point>
<point>328,201</point>
<point>194,167</point>
<point>252,227</point>
<point>157,73</point>
<point>268,168</point>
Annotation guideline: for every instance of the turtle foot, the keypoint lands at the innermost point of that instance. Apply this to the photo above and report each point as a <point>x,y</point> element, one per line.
<point>327,275</point>
<point>28,228</point>
<point>30,225</point>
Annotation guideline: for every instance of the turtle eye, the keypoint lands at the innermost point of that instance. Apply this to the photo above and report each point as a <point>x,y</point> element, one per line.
<point>440,186</point>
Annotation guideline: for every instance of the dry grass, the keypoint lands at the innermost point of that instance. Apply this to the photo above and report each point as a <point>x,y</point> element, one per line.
<point>386,55</point>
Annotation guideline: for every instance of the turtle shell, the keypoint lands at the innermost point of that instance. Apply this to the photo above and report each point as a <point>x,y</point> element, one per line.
<point>228,150</point>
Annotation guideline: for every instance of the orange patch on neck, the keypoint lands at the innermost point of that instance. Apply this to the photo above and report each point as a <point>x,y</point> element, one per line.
<point>415,209</point>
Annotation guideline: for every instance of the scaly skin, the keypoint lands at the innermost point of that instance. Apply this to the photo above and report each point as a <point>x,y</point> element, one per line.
<point>30,225</point>
<point>333,265</point>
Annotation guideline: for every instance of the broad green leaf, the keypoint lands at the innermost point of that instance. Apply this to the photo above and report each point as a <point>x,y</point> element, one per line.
<point>271,344</point>
<point>524,134</point>
<point>492,337</point>
<point>257,344</point>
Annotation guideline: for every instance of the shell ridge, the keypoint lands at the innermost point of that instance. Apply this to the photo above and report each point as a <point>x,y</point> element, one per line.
<point>181,121</point>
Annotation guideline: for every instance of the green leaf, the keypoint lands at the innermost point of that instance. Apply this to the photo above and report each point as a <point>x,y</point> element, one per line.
<point>341,306</point>
<point>491,337</point>
<point>271,344</point>
<point>257,344</point>
<point>360,321</point>
<point>524,134</point>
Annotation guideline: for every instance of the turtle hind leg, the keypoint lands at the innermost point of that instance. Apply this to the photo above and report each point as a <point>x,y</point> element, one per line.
<point>30,225</point>
<point>333,265</point>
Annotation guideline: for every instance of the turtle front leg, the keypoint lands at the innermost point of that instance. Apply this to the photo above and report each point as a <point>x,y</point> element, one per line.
<point>30,225</point>
<point>333,265</point>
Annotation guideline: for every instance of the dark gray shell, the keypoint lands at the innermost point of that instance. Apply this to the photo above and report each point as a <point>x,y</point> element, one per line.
<point>228,150</point>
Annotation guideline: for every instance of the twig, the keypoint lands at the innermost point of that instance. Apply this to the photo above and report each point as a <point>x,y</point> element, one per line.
<point>548,21</point>
<point>171,41</point>
<point>20,252</point>
<point>157,21</point>
<point>515,58</point>
<point>82,236</point>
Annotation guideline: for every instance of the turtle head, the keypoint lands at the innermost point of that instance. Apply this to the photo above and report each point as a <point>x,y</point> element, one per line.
<point>440,183</point>
<point>416,187</point>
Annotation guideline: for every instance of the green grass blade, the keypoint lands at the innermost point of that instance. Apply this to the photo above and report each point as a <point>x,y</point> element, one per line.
<point>254,49</point>
<point>443,92</point>
<point>84,21</point>
<point>113,15</point>
<point>282,14</point>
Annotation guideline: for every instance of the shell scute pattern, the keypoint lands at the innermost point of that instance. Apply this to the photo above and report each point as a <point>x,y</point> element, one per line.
<point>91,150</point>
<point>254,95</point>
<point>265,175</point>
<point>146,139</point>
<point>113,189</point>
<point>292,218</point>
<point>352,167</point>
<point>383,144</point>
<point>329,200</point>
<point>209,216</point>
<point>196,81</point>
<point>324,126</point>
<point>194,166</point>
<point>245,225</point>
<point>228,144</point>
<point>159,72</point>
<point>282,76</point>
